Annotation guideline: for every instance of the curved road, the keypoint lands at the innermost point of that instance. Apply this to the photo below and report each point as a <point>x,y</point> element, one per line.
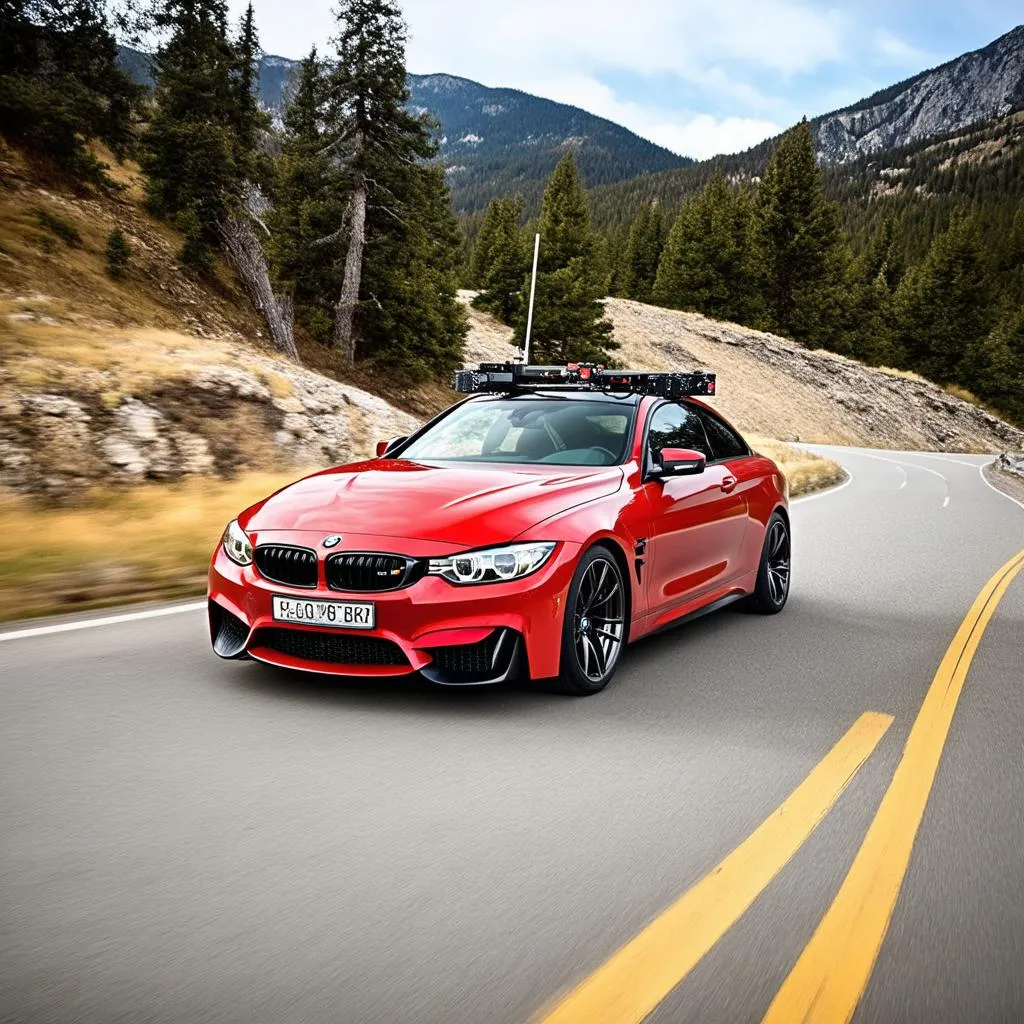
<point>188,840</point>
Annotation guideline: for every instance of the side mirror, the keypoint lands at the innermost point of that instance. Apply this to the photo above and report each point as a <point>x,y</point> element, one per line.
<point>682,462</point>
<point>383,446</point>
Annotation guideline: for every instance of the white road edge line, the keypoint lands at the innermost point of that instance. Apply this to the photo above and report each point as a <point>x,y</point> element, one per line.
<point>992,487</point>
<point>944,458</point>
<point>907,465</point>
<point>108,620</point>
<point>825,493</point>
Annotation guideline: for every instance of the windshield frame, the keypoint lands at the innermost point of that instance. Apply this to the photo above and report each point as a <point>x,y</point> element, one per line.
<point>630,404</point>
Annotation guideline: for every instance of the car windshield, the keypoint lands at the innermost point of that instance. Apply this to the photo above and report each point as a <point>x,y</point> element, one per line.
<point>532,429</point>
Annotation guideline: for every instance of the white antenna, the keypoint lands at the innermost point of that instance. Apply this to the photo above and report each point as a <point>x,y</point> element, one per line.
<point>533,289</point>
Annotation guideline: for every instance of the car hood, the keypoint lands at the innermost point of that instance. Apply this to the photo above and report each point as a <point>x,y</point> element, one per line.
<point>450,503</point>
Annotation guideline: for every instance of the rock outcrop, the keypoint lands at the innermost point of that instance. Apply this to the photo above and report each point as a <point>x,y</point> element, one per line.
<point>983,84</point>
<point>221,421</point>
<point>1012,463</point>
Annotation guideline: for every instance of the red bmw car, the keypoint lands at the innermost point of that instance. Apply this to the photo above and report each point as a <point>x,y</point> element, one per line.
<point>533,530</point>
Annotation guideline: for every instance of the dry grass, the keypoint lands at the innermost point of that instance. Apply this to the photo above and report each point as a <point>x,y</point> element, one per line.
<point>905,374</point>
<point>279,385</point>
<point>966,395</point>
<point>805,471</point>
<point>154,291</point>
<point>117,361</point>
<point>151,542</point>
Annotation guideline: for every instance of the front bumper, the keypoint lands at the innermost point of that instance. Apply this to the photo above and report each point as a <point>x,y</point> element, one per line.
<point>452,634</point>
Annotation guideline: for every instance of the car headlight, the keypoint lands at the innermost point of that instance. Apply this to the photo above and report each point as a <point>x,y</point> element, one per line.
<point>237,545</point>
<point>492,565</point>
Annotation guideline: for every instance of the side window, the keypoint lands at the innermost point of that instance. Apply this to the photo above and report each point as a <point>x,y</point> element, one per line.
<point>725,442</point>
<point>677,426</point>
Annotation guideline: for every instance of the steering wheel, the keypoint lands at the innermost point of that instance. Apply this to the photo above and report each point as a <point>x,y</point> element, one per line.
<point>604,451</point>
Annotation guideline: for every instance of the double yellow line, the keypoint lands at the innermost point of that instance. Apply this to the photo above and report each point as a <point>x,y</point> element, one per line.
<point>833,970</point>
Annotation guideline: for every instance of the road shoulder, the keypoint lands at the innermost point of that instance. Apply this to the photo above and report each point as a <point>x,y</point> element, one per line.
<point>1008,483</point>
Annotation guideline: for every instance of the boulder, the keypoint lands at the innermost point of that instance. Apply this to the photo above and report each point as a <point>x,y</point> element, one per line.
<point>1011,462</point>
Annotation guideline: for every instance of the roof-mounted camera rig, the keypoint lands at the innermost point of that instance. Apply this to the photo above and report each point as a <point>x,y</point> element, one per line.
<point>508,378</point>
<point>504,378</point>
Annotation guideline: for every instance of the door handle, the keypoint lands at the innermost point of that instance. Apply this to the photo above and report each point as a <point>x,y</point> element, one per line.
<point>729,483</point>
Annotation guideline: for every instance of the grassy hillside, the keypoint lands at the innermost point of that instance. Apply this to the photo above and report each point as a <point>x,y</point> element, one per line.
<point>775,388</point>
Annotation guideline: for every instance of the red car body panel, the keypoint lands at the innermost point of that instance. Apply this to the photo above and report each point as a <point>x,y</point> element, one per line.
<point>466,506</point>
<point>683,542</point>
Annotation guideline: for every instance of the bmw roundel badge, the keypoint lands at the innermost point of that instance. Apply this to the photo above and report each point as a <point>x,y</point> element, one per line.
<point>332,541</point>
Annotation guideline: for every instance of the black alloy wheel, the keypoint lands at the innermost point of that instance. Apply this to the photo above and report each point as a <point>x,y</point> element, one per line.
<point>595,628</point>
<point>772,589</point>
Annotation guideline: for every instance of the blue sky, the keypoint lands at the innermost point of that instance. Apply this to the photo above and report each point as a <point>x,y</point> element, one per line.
<point>699,76</point>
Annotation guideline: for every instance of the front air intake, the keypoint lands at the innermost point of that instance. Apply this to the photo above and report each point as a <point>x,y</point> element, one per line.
<point>330,648</point>
<point>282,563</point>
<point>227,631</point>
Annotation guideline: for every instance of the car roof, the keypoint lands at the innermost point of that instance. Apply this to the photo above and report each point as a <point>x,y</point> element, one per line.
<point>559,393</point>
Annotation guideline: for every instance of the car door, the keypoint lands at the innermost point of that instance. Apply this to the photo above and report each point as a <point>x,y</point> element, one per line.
<point>697,522</point>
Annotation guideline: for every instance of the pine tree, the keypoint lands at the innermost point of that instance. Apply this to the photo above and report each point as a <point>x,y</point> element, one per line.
<point>204,162</point>
<point>708,264</point>
<point>378,141</point>
<point>995,365</point>
<point>868,302</point>
<point>309,202</point>
<point>500,260</point>
<point>480,254</point>
<point>615,245</point>
<point>118,252</point>
<point>245,115</point>
<point>568,321</point>
<point>60,86</point>
<point>882,257</point>
<point>643,253</point>
<point>411,323</point>
<point>190,160</point>
<point>1010,265</point>
<point>944,306</point>
<point>799,242</point>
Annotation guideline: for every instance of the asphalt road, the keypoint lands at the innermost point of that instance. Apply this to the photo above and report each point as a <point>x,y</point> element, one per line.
<point>188,840</point>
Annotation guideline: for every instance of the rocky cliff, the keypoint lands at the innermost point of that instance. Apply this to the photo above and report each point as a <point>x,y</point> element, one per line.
<point>979,85</point>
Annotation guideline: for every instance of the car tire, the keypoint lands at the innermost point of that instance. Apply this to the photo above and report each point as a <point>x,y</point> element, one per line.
<point>595,627</point>
<point>774,570</point>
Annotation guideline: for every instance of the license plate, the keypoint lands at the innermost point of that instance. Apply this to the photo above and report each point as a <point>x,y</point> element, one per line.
<point>341,614</point>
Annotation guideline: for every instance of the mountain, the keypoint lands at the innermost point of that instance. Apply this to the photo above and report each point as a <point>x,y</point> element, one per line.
<point>495,141</point>
<point>975,87</point>
<point>499,141</point>
<point>492,141</point>
<point>952,132</point>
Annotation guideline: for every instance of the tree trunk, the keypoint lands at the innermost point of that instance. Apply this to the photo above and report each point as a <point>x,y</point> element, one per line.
<point>344,311</point>
<point>245,254</point>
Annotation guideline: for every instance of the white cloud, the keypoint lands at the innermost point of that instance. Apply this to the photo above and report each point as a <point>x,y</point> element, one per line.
<point>687,132</point>
<point>704,136</point>
<point>893,50</point>
<point>715,50</point>
<point>563,49</point>
<point>516,38</point>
